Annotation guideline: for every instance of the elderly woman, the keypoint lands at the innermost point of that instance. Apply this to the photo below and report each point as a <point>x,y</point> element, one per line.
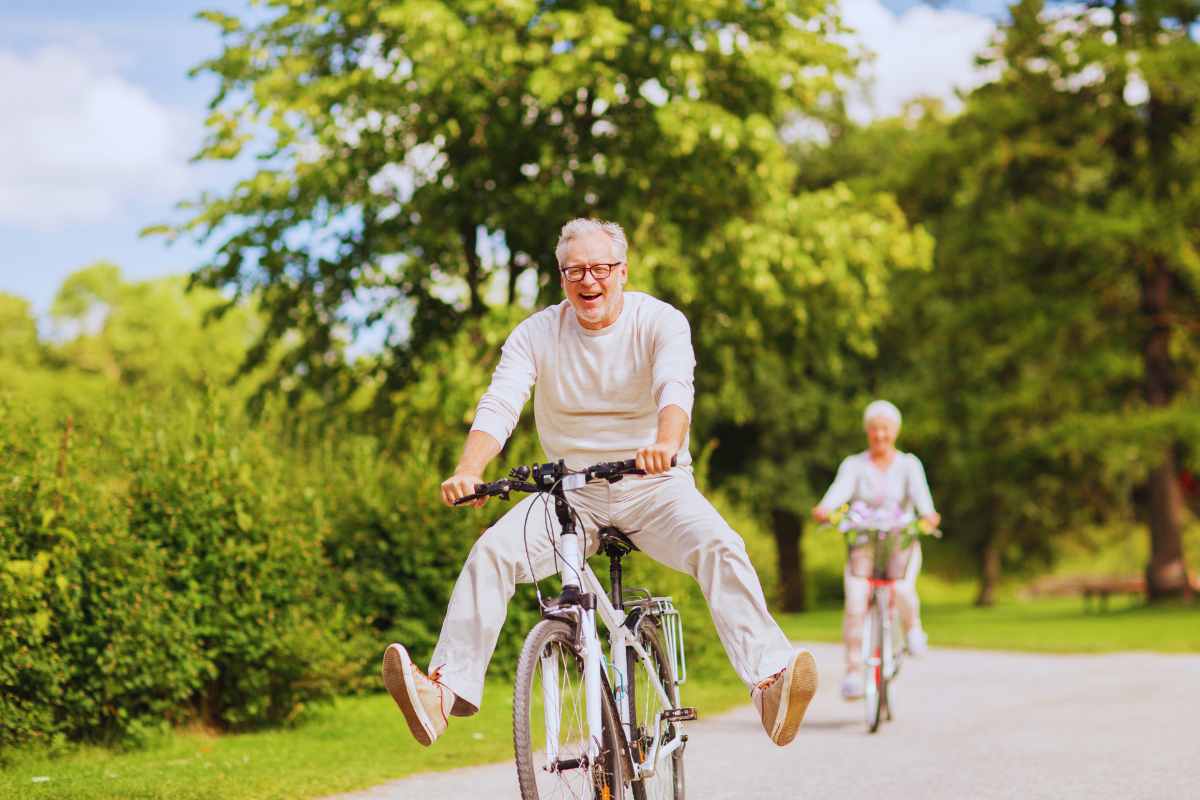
<point>885,483</point>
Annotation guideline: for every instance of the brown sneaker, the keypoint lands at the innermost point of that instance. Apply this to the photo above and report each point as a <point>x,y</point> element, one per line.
<point>425,701</point>
<point>783,698</point>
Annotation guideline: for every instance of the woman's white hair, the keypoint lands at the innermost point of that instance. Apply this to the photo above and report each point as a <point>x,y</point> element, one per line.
<point>580,226</point>
<point>882,409</point>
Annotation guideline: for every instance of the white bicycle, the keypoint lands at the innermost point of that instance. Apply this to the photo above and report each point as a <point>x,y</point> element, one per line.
<point>587,724</point>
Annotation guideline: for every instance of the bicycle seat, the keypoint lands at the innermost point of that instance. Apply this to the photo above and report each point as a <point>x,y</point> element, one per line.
<point>614,542</point>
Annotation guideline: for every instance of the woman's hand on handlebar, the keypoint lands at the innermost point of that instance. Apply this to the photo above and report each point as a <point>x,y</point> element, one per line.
<point>460,485</point>
<point>820,514</point>
<point>656,459</point>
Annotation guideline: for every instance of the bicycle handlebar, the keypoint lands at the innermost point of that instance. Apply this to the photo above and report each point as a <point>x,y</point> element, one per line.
<point>545,477</point>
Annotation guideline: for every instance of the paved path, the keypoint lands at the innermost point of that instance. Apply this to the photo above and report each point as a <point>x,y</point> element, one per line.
<point>969,726</point>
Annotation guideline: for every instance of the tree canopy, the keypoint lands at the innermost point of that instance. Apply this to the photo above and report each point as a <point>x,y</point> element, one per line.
<point>417,157</point>
<point>1057,342</point>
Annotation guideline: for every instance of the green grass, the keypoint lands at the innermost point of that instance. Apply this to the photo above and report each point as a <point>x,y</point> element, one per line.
<point>356,743</point>
<point>1045,626</point>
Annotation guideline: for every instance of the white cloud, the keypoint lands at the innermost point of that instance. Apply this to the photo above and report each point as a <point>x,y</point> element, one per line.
<point>81,143</point>
<point>925,51</point>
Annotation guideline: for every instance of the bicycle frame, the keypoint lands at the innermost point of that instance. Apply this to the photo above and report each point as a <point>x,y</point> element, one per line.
<point>882,595</point>
<point>576,574</point>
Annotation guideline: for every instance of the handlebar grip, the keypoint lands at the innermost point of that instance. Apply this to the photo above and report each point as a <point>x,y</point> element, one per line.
<point>481,490</point>
<point>630,466</point>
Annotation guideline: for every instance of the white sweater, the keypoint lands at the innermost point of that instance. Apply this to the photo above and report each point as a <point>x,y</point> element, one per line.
<point>902,484</point>
<point>598,392</point>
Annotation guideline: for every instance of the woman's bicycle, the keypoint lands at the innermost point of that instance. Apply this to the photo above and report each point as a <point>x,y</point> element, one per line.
<point>880,553</point>
<point>587,725</point>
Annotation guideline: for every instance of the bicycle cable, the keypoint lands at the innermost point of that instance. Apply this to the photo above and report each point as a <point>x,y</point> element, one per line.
<point>537,587</point>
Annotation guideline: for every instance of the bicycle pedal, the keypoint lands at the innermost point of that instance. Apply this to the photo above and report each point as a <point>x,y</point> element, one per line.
<point>679,714</point>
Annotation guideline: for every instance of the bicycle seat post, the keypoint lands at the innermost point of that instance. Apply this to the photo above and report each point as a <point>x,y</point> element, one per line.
<point>614,579</point>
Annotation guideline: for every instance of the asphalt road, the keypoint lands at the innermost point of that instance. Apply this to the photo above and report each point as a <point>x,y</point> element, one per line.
<point>969,725</point>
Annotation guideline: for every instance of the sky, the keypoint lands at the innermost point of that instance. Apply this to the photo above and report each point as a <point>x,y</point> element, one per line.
<point>100,119</point>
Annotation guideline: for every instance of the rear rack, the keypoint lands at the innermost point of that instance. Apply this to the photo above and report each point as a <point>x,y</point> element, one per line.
<point>672,625</point>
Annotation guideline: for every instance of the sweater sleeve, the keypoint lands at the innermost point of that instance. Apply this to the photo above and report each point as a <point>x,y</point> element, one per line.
<point>841,491</point>
<point>674,362</point>
<point>918,487</point>
<point>500,407</point>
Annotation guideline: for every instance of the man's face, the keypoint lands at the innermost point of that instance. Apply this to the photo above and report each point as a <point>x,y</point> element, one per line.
<point>597,302</point>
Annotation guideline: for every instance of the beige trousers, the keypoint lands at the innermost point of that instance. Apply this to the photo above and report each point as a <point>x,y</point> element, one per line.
<point>666,517</point>
<point>858,592</point>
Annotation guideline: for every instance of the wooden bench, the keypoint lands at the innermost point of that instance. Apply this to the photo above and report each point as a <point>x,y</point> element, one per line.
<point>1095,590</point>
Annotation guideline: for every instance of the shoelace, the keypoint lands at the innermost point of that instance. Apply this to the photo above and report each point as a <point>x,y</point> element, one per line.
<point>435,677</point>
<point>766,683</point>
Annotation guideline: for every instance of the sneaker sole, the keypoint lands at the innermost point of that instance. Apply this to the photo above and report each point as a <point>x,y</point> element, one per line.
<point>800,685</point>
<point>397,677</point>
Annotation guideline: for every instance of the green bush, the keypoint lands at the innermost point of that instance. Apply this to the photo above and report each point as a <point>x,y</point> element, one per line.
<point>93,641</point>
<point>162,566</point>
<point>241,531</point>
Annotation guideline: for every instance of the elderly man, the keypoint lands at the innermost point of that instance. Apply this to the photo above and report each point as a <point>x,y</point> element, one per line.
<point>613,371</point>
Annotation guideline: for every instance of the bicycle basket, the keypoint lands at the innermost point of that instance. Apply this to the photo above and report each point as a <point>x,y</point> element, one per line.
<point>880,553</point>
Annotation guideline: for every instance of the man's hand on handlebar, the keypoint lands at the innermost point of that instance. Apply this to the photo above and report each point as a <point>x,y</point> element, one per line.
<point>657,458</point>
<point>459,485</point>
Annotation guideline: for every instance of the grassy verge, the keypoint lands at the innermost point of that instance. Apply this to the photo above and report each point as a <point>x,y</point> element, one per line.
<point>1046,626</point>
<point>356,743</point>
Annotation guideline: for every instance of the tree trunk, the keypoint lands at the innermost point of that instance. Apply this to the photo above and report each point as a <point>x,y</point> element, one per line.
<point>989,570</point>
<point>788,528</point>
<point>1166,574</point>
<point>470,240</point>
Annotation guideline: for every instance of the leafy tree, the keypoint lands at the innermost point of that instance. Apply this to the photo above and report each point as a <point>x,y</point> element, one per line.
<point>148,334</point>
<point>18,332</point>
<point>1056,353</point>
<point>782,329</point>
<point>418,156</point>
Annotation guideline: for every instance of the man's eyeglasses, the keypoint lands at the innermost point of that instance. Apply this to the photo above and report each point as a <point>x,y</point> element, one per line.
<point>599,271</point>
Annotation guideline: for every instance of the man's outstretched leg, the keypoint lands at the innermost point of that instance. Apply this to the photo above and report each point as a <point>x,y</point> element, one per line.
<point>680,528</point>
<point>500,559</point>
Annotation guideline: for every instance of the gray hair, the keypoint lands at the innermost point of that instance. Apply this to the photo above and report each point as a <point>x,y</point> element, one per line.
<point>884,410</point>
<point>581,226</point>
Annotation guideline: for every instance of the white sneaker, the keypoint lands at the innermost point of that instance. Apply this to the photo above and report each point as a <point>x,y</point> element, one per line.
<point>852,686</point>
<point>918,642</point>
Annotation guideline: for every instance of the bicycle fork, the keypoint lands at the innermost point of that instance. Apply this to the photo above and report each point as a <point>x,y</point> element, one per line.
<point>571,574</point>
<point>879,612</point>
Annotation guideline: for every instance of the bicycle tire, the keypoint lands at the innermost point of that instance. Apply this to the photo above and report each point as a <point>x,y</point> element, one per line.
<point>887,645</point>
<point>874,684</point>
<point>645,704</point>
<point>605,780</point>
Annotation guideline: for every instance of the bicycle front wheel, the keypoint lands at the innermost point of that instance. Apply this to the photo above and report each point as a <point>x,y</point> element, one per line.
<point>646,705</point>
<point>874,682</point>
<point>550,725</point>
